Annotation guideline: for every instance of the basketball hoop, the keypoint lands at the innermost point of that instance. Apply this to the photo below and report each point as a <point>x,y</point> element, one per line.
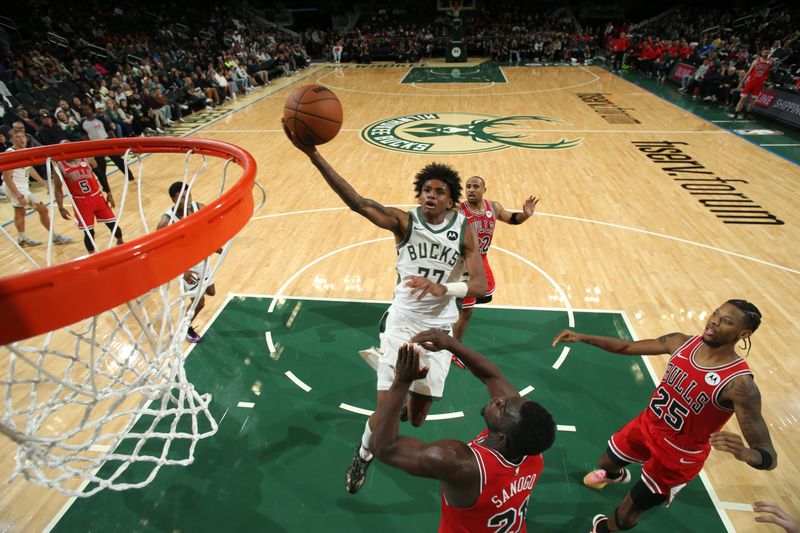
<point>91,362</point>
<point>455,8</point>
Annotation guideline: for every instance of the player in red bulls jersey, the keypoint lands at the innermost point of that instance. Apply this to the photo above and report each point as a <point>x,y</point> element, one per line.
<point>753,81</point>
<point>705,383</point>
<point>87,199</point>
<point>487,482</point>
<point>482,215</point>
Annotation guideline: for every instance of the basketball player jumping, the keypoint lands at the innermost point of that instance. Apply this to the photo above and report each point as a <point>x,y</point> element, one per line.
<point>434,245</point>
<point>705,383</point>
<point>88,202</point>
<point>753,81</point>
<point>482,215</point>
<point>486,483</point>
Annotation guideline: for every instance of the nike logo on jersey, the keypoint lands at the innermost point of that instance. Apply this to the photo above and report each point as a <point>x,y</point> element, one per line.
<point>684,461</point>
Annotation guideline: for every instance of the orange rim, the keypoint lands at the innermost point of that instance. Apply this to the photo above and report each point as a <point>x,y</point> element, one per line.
<point>50,298</point>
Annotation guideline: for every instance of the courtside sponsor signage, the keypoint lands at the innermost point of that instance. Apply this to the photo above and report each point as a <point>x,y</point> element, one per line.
<point>779,104</point>
<point>466,133</point>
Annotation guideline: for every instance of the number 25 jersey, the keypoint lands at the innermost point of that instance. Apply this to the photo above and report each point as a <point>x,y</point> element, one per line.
<point>685,408</point>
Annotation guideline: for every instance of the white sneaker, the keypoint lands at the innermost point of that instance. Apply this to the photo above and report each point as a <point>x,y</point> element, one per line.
<point>61,239</point>
<point>371,356</point>
<point>26,241</point>
<point>159,131</point>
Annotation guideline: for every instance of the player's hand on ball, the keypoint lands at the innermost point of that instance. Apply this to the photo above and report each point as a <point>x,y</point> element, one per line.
<point>776,516</point>
<point>725,441</point>
<point>407,368</point>
<point>566,335</point>
<point>433,340</point>
<point>307,149</point>
<point>423,286</point>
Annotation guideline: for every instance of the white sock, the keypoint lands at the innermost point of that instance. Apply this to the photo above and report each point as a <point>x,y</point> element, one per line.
<point>364,450</point>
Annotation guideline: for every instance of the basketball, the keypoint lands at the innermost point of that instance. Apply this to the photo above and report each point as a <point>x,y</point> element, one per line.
<point>313,114</point>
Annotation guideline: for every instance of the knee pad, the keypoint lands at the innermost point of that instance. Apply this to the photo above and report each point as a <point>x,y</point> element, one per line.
<point>644,498</point>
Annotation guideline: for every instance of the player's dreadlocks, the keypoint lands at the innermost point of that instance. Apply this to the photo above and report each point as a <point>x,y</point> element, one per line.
<point>752,316</point>
<point>440,171</point>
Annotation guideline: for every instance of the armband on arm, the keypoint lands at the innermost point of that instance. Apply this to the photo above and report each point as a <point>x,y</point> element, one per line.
<point>459,290</point>
<point>514,220</point>
<point>766,459</point>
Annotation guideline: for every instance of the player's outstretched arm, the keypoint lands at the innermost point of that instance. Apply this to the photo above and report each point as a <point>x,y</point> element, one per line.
<point>391,218</point>
<point>746,399</point>
<point>504,215</point>
<point>448,460</point>
<point>480,366</point>
<point>664,344</point>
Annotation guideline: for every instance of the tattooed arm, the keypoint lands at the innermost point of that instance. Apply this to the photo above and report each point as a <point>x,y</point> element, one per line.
<point>743,393</point>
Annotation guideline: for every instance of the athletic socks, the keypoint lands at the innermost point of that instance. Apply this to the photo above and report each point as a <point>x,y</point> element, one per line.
<point>614,476</point>
<point>364,452</point>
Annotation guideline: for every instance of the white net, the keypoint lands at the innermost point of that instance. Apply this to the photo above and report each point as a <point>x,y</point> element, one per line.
<point>105,403</point>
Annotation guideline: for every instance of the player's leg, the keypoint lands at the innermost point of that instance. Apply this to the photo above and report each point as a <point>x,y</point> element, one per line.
<point>88,240</point>
<point>116,231</point>
<point>356,473</point>
<point>44,218</point>
<point>418,407</point>
<point>19,224</point>
<point>639,500</point>
<point>624,447</point>
<point>464,316</point>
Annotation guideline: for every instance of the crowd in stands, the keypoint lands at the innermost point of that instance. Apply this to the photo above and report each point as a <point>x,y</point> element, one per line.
<point>721,45</point>
<point>515,32</point>
<point>132,72</point>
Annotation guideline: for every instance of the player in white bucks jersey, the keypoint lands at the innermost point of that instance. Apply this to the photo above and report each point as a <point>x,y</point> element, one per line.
<point>435,247</point>
<point>183,205</point>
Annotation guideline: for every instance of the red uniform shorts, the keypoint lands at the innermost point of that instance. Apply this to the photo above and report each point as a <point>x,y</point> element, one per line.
<point>753,86</point>
<point>91,208</point>
<point>467,303</point>
<point>666,468</point>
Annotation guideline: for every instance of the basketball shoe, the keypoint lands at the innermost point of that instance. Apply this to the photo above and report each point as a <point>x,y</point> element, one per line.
<point>357,472</point>
<point>192,336</point>
<point>27,241</point>
<point>371,356</point>
<point>597,521</point>
<point>597,479</point>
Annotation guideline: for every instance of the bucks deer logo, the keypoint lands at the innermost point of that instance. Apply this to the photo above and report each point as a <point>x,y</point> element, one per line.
<point>466,133</point>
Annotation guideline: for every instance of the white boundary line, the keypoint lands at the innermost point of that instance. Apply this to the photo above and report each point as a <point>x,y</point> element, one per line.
<point>297,381</point>
<point>445,416</point>
<point>527,390</point>
<point>354,409</point>
<point>733,506</point>
<point>246,405</point>
<point>566,428</point>
<point>795,144</point>
<point>726,521</point>
<point>590,221</point>
<point>270,344</point>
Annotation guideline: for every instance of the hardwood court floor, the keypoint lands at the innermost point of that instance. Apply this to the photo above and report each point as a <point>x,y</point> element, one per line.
<point>615,229</point>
